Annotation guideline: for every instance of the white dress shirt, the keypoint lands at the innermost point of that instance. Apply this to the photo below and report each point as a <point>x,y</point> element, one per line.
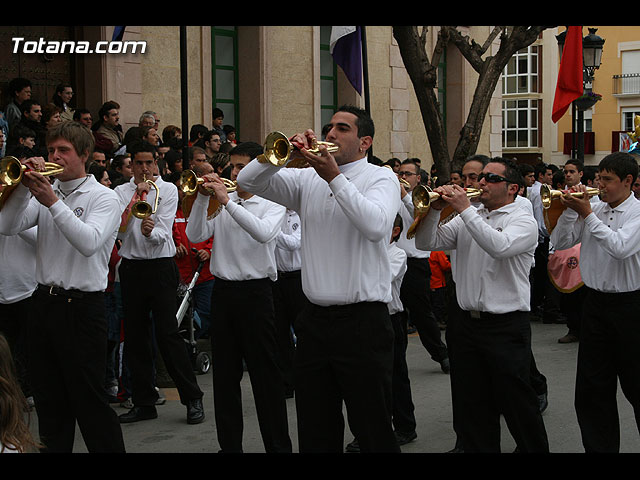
<point>288,243</point>
<point>610,250</point>
<point>18,260</point>
<point>244,236</point>
<point>494,254</point>
<point>409,244</point>
<point>345,226</point>
<point>398,261</point>
<point>75,235</point>
<point>159,244</point>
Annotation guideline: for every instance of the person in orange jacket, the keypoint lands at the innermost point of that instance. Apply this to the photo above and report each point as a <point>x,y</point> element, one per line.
<point>440,264</point>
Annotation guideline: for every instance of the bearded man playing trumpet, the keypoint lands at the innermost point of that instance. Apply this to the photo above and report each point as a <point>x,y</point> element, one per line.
<point>610,268</point>
<point>494,252</point>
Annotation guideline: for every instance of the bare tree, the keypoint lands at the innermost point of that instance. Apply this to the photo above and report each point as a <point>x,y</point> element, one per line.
<point>423,69</point>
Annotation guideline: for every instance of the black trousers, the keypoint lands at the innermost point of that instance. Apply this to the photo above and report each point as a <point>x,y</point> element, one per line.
<point>415,296</point>
<point>243,326</point>
<point>608,352</point>
<point>572,306</point>
<point>149,294</point>
<point>404,420</point>
<point>344,354</point>
<point>13,325</point>
<point>492,363</point>
<point>288,300</point>
<point>67,344</point>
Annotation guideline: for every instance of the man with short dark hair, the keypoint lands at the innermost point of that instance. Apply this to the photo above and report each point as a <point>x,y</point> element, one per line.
<point>243,326</point>
<point>492,353</point>
<point>344,350</point>
<point>77,220</point>
<point>149,281</point>
<point>218,120</point>
<point>211,144</point>
<point>108,126</point>
<point>610,267</point>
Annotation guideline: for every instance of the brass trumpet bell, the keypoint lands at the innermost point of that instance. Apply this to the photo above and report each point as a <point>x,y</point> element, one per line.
<point>11,172</point>
<point>278,149</point>
<point>189,182</point>
<point>553,208</point>
<point>141,209</point>
<point>422,197</point>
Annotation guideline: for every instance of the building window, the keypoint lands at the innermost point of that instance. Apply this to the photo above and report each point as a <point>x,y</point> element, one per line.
<point>328,78</point>
<point>520,123</point>
<point>224,74</point>
<point>520,76</point>
<point>520,103</point>
<point>628,116</point>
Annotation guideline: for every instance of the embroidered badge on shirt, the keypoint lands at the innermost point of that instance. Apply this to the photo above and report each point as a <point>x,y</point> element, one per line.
<point>78,211</point>
<point>572,262</point>
<point>294,227</point>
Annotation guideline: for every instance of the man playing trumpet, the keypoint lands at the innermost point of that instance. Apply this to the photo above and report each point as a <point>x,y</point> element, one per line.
<point>243,319</point>
<point>494,252</point>
<point>344,350</point>
<point>610,267</point>
<point>149,280</point>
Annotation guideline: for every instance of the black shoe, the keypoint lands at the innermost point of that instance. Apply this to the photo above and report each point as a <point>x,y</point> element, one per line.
<point>543,402</point>
<point>404,438</point>
<point>411,330</point>
<point>353,447</point>
<point>456,450</point>
<point>195,411</point>
<point>548,319</point>
<point>444,365</point>
<point>139,413</point>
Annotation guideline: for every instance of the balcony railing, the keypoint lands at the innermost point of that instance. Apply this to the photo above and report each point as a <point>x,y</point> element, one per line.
<point>626,84</point>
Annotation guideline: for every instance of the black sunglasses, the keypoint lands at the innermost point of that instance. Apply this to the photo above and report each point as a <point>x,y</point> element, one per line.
<point>492,178</point>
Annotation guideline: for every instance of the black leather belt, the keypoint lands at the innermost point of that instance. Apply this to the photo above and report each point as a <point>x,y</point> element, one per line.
<point>59,291</point>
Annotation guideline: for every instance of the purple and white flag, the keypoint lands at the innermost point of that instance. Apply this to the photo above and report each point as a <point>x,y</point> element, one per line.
<point>345,46</point>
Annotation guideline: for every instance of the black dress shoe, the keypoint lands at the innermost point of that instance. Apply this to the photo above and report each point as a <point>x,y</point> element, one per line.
<point>195,411</point>
<point>139,413</point>
<point>404,438</point>
<point>353,447</point>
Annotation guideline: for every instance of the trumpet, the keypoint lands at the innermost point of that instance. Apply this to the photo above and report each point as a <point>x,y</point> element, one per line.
<point>141,209</point>
<point>552,208</point>
<point>12,171</point>
<point>402,181</point>
<point>189,182</point>
<point>278,149</point>
<point>422,197</point>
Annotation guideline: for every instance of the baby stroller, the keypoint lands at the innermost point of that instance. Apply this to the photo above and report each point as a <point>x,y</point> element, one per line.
<point>200,361</point>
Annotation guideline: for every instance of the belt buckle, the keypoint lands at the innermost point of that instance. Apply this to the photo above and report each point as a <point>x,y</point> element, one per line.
<point>51,291</point>
<point>474,313</point>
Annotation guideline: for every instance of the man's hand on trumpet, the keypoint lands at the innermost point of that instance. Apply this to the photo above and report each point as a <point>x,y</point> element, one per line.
<point>323,163</point>
<point>582,205</point>
<point>39,185</point>
<point>454,195</point>
<point>214,185</point>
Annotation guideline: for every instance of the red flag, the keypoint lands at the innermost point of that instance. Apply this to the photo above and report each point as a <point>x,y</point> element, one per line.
<point>569,86</point>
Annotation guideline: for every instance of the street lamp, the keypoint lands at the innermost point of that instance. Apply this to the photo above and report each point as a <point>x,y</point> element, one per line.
<point>592,46</point>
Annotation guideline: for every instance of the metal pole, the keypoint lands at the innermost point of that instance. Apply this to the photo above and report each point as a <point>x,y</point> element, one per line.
<point>183,95</point>
<point>365,78</point>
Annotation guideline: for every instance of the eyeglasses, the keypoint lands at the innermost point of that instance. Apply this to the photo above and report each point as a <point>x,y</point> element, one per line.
<point>492,178</point>
<point>407,174</point>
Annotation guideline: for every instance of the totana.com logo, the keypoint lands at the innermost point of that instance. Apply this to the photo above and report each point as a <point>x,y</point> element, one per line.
<point>20,45</point>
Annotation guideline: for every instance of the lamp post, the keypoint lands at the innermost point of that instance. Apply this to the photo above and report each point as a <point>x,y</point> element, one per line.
<point>592,46</point>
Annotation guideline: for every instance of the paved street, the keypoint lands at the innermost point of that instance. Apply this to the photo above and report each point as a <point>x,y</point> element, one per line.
<point>431,394</point>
